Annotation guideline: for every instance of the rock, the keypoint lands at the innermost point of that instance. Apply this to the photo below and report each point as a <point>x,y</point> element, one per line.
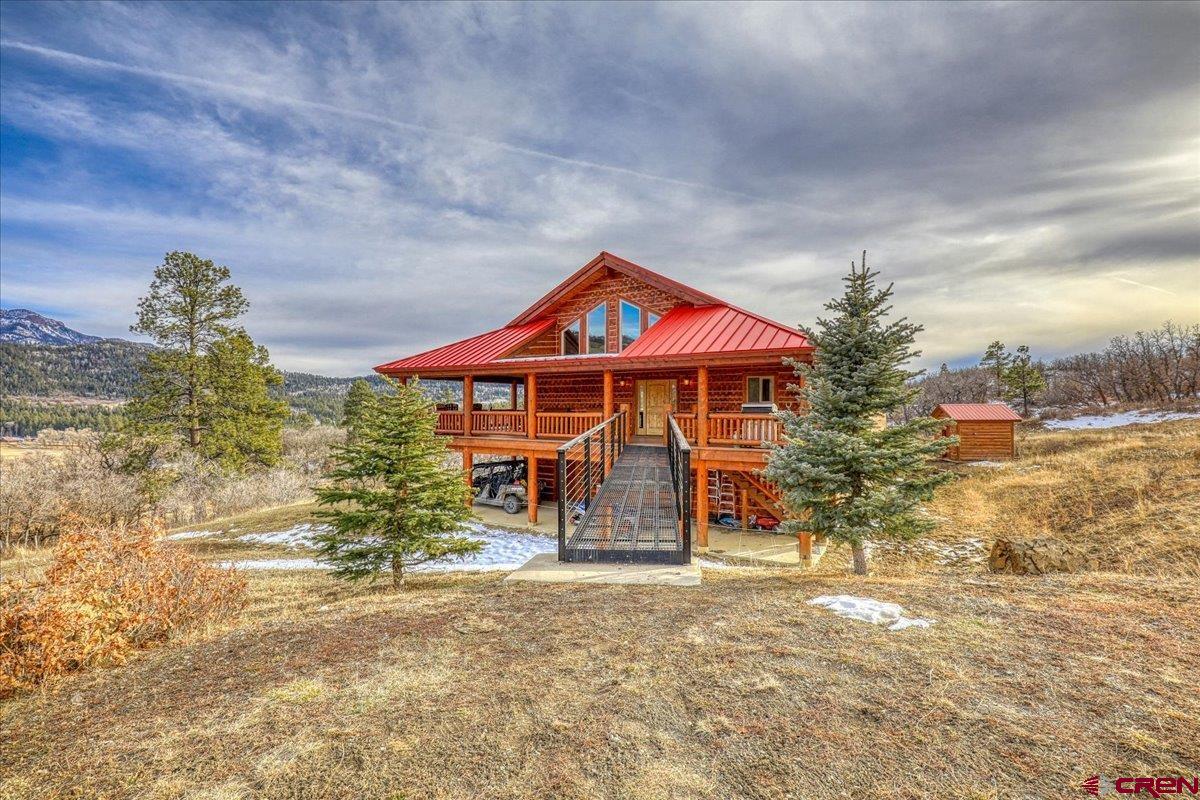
<point>1038,556</point>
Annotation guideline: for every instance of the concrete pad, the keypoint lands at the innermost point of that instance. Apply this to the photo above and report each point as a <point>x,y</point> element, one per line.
<point>546,568</point>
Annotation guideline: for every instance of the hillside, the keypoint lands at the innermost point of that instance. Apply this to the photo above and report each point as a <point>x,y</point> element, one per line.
<point>47,384</point>
<point>470,687</point>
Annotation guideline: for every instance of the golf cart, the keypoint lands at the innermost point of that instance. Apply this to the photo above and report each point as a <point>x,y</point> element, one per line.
<point>501,483</point>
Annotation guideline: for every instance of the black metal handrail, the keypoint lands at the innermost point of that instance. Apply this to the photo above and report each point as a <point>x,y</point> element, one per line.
<point>679,457</point>
<point>582,465</point>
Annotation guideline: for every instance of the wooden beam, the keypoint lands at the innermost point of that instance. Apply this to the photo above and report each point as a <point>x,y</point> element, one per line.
<point>608,393</point>
<point>512,403</point>
<point>745,509</point>
<point>702,405</point>
<point>468,403</point>
<point>531,488</point>
<point>468,460</point>
<point>701,506</point>
<point>531,405</point>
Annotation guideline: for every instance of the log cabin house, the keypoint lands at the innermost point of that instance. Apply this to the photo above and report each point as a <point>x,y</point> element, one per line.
<point>618,342</point>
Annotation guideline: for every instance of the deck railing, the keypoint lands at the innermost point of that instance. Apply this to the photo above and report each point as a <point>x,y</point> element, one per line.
<point>582,465</point>
<point>747,429</point>
<point>687,425</point>
<point>485,422</point>
<point>450,422</point>
<point>679,457</point>
<point>566,424</point>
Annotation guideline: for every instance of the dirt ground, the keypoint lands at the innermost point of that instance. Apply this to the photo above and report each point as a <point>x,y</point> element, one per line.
<point>467,687</point>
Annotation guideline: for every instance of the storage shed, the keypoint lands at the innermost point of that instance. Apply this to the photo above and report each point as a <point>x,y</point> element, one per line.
<point>985,430</point>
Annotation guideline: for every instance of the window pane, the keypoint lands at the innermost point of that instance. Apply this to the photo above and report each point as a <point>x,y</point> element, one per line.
<point>570,339</point>
<point>753,394</point>
<point>631,323</point>
<point>597,327</point>
<point>652,318</point>
<point>768,393</point>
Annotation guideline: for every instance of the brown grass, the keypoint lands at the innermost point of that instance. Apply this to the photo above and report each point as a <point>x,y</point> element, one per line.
<point>469,687</point>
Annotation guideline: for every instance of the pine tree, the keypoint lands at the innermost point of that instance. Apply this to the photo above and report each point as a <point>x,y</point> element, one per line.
<point>996,360</point>
<point>854,480</point>
<point>358,400</point>
<point>391,501</point>
<point>206,383</point>
<point>1023,380</point>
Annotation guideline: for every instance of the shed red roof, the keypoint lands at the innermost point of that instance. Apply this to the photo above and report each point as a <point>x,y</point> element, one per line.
<point>477,351</point>
<point>700,330</point>
<point>979,412</point>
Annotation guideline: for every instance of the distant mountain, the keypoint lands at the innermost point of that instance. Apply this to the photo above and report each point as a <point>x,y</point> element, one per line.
<point>22,326</point>
<point>41,378</point>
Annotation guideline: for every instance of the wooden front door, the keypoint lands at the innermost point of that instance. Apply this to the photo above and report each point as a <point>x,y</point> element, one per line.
<point>653,398</point>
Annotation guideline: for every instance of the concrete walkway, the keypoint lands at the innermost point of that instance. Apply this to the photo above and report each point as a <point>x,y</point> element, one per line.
<point>752,548</point>
<point>546,568</point>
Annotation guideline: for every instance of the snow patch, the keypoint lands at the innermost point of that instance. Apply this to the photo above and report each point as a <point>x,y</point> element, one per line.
<point>865,609</point>
<point>502,550</point>
<point>190,535</point>
<point>1143,416</point>
<point>992,464</point>
<point>296,536</point>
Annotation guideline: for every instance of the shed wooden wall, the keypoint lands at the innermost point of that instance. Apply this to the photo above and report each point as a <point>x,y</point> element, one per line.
<point>984,441</point>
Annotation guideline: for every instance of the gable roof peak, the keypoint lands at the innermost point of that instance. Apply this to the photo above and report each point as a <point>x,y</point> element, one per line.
<point>607,260</point>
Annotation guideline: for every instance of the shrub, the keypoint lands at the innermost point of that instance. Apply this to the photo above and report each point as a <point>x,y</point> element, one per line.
<point>107,593</point>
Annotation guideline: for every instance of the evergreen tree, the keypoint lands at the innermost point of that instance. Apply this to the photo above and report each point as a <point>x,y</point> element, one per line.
<point>1023,380</point>
<point>391,501</point>
<point>359,400</point>
<point>996,360</point>
<point>207,383</point>
<point>853,479</point>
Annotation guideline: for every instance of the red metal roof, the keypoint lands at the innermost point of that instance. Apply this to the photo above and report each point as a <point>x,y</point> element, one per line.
<point>699,330</point>
<point>979,412</point>
<point>477,351</point>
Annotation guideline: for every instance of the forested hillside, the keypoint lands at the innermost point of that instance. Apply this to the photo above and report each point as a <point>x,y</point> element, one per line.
<point>54,386</point>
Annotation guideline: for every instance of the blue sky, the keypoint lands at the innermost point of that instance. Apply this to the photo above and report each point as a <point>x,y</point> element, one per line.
<point>386,178</point>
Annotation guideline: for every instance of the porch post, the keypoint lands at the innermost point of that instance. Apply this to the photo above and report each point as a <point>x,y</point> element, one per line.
<point>512,403</point>
<point>531,405</point>
<point>531,488</point>
<point>608,393</point>
<point>702,405</point>
<point>468,459</point>
<point>701,504</point>
<point>745,498</point>
<point>468,403</point>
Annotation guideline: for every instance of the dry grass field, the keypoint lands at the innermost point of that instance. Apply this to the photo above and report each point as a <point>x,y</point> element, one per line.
<point>469,687</point>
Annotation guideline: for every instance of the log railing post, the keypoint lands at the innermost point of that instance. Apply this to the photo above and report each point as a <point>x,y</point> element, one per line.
<point>531,406</point>
<point>702,406</point>
<point>468,403</point>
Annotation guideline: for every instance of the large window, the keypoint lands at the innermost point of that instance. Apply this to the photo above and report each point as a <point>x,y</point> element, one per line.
<point>570,339</point>
<point>631,323</point>
<point>760,390</point>
<point>597,329</point>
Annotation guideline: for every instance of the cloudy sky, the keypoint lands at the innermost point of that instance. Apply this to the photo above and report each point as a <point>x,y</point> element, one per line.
<point>386,178</point>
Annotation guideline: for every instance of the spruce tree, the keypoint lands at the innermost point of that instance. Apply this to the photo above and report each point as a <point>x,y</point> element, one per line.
<point>842,475</point>
<point>207,383</point>
<point>996,360</point>
<point>358,401</point>
<point>391,501</point>
<point>1023,380</point>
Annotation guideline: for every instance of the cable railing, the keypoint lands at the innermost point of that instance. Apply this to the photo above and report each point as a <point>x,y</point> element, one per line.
<point>582,465</point>
<point>679,457</point>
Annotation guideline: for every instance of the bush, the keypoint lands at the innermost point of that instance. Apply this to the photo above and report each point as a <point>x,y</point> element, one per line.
<point>107,593</point>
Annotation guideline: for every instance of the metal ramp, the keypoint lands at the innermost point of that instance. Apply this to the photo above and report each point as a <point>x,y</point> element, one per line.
<point>622,503</point>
